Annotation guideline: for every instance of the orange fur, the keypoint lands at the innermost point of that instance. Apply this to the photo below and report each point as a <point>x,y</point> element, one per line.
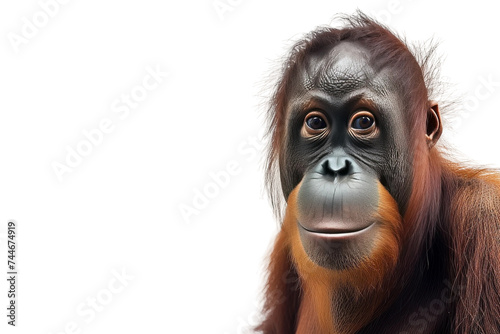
<point>318,284</point>
<point>450,230</point>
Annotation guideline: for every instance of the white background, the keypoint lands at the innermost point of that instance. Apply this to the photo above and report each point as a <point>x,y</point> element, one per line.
<point>119,209</point>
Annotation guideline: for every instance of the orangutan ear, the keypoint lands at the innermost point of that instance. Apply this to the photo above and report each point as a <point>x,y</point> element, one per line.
<point>434,124</point>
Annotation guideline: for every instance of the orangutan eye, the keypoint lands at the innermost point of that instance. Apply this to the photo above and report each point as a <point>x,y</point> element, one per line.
<point>316,123</point>
<point>362,125</point>
<point>362,122</point>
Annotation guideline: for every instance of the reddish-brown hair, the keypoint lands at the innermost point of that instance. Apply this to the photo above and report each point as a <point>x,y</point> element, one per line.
<point>451,226</point>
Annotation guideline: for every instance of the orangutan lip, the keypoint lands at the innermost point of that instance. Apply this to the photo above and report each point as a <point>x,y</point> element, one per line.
<point>337,232</point>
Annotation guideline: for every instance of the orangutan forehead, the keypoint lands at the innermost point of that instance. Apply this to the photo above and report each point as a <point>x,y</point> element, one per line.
<point>340,71</point>
<point>341,82</point>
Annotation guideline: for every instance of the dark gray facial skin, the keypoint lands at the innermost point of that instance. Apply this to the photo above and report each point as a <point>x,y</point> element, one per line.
<point>337,196</point>
<point>336,205</point>
<point>339,168</point>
